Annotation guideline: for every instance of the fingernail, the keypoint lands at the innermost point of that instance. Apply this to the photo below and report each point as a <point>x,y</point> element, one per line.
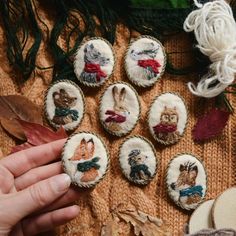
<point>61,182</point>
<point>75,209</point>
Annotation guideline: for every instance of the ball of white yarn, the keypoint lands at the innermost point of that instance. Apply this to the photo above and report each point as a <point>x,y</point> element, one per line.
<point>215,31</point>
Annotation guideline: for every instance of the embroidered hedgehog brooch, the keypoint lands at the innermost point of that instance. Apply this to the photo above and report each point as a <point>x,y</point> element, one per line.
<point>137,160</point>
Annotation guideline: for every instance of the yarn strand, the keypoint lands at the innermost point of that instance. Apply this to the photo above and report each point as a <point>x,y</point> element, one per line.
<point>214,28</point>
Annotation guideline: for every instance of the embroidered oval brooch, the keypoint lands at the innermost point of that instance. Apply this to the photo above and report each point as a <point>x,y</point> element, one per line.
<point>94,62</point>
<point>167,118</point>
<point>85,159</point>
<point>186,181</point>
<point>145,61</point>
<point>137,160</point>
<point>119,109</point>
<point>64,105</point>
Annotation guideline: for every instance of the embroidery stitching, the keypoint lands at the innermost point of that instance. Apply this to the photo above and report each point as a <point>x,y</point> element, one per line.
<point>191,191</point>
<point>187,177</point>
<point>115,117</point>
<point>146,59</point>
<point>93,59</point>
<point>166,130</point>
<point>139,170</point>
<point>85,151</point>
<point>151,65</point>
<point>120,111</point>
<point>63,103</point>
<point>66,111</point>
<point>87,165</point>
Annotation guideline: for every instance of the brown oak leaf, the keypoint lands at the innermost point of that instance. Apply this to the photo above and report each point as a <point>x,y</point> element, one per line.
<point>111,228</point>
<point>144,224</point>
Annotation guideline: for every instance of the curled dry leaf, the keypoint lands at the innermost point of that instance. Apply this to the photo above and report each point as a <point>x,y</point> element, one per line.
<point>37,134</point>
<point>111,228</point>
<point>14,107</point>
<point>143,224</point>
<point>13,127</point>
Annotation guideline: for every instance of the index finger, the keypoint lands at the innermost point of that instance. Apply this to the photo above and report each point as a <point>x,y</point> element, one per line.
<point>20,162</point>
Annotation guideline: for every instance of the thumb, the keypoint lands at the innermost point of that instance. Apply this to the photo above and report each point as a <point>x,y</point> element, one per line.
<point>37,196</point>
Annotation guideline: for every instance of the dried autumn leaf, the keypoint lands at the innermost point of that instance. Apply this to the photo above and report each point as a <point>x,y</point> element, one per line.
<point>37,135</point>
<point>14,107</point>
<point>210,125</point>
<point>144,224</point>
<point>111,228</point>
<point>13,127</point>
<point>19,107</point>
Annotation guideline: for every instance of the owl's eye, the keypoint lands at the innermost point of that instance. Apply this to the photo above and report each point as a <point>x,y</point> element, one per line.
<point>165,118</point>
<point>173,118</point>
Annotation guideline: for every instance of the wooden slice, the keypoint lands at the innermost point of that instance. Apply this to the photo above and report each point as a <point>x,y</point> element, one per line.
<point>201,217</point>
<point>224,210</point>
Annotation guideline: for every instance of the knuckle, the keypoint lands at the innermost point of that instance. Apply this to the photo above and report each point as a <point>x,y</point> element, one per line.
<point>34,177</point>
<point>38,195</point>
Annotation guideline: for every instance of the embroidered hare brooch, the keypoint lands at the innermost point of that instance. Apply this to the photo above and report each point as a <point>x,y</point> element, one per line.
<point>119,109</point>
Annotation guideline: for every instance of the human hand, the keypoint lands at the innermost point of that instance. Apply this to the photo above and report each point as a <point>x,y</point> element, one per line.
<point>32,193</point>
